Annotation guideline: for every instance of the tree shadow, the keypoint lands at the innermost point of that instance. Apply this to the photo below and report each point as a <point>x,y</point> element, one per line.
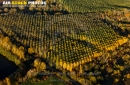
<point>116,29</point>
<point>118,6</point>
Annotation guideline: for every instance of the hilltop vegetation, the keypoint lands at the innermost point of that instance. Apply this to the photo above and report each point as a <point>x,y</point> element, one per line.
<point>93,5</point>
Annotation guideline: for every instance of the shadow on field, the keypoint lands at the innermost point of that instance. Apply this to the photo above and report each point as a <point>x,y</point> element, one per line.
<point>6,67</point>
<point>117,29</point>
<point>118,6</point>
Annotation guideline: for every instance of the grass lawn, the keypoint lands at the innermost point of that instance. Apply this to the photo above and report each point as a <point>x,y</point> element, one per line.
<point>50,80</point>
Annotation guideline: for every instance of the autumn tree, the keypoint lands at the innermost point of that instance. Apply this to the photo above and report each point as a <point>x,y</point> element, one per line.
<point>37,62</point>
<point>73,75</point>
<point>21,7</point>
<point>9,46</point>
<point>30,50</point>
<point>80,70</point>
<point>21,54</point>
<point>6,10</point>
<point>12,10</point>
<point>1,39</point>
<point>39,65</point>
<point>32,6</point>
<point>42,66</point>
<point>14,49</point>
<point>7,43</point>
<point>21,48</point>
<point>2,82</point>
<point>6,39</point>
<point>8,81</point>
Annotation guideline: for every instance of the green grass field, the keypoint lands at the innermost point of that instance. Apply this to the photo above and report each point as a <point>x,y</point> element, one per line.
<point>93,5</point>
<point>49,81</point>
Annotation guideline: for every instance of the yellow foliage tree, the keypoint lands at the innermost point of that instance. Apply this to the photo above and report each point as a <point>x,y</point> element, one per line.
<point>8,81</point>
<point>42,66</point>
<point>5,45</point>
<point>6,39</point>
<point>61,63</point>
<point>14,49</point>
<point>44,54</point>
<point>64,65</point>
<point>6,9</point>
<point>9,46</point>
<point>37,62</point>
<point>80,69</point>
<point>21,54</point>
<point>30,50</point>
<point>21,48</point>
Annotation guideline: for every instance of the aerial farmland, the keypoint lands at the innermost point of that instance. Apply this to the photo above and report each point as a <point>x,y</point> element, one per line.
<point>65,42</point>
